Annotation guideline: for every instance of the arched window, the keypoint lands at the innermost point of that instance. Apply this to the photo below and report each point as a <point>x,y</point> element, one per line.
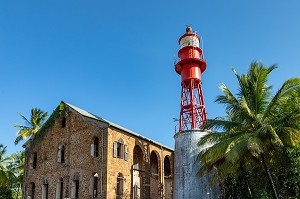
<point>137,172</point>
<point>168,178</point>
<point>167,167</point>
<point>61,153</point>
<point>32,190</point>
<point>60,188</point>
<point>137,158</point>
<point>155,186</point>
<point>154,164</point>
<point>94,185</point>
<point>120,186</point>
<point>120,150</point>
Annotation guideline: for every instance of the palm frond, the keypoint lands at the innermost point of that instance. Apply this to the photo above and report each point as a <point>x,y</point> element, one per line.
<point>25,119</point>
<point>289,87</point>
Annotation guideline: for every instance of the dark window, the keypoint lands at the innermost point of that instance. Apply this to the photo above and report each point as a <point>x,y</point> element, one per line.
<point>120,184</point>
<point>32,190</point>
<point>137,158</point>
<point>95,185</point>
<point>167,167</point>
<point>34,163</point>
<point>76,188</point>
<point>62,154</point>
<point>96,147</point>
<point>154,164</point>
<point>45,191</point>
<point>61,188</point>
<point>63,123</point>
<point>119,148</point>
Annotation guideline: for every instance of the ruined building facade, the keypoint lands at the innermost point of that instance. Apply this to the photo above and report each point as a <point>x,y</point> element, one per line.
<point>79,155</point>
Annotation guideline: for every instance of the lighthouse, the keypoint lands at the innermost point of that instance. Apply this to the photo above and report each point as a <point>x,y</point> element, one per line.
<point>191,65</point>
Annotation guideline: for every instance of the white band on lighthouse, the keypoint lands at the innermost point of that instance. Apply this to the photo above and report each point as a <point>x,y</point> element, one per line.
<point>189,41</point>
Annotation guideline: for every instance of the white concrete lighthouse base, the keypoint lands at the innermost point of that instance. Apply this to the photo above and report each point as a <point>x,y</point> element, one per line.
<point>187,184</point>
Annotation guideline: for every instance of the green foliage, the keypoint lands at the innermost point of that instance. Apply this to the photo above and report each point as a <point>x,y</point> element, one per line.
<point>291,178</point>
<point>11,173</point>
<point>38,125</point>
<point>31,126</point>
<point>16,166</point>
<point>6,193</point>
<point>12,166</point>
<point>250,139</point>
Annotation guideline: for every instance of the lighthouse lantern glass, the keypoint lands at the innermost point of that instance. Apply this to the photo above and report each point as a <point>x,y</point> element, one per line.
<point>189,41</point>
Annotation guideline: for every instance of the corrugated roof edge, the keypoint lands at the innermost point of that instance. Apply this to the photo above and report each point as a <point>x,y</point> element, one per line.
<point>90,115</point>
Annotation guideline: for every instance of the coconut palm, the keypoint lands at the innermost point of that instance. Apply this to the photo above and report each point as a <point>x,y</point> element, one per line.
<point>5,174</point>
<point>31,126</point>
<point>256,126</point>
<point>16,166</point>
<point>2,165</point>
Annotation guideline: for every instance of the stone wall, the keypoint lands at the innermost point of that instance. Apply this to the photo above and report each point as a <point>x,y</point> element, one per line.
<point>76,137</point>
<point>120,165</point>
<point>79,164</point>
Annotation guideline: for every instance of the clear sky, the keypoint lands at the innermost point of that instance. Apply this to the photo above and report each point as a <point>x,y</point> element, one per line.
<point>115,58</point>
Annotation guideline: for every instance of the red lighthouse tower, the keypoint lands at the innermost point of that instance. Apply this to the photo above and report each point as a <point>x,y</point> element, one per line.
<point>190,66</point>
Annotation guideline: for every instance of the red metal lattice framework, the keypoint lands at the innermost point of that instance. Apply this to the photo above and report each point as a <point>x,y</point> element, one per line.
<point>192,112</point>
<point>191,65</point>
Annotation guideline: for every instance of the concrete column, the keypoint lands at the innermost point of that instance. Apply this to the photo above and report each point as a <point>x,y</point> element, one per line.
<point>187,184</point>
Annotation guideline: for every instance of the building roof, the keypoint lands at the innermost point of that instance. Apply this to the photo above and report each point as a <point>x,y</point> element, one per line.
<point>90,115</point>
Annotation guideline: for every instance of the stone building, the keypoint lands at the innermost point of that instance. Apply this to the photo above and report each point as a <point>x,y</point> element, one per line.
<point>79,155</point>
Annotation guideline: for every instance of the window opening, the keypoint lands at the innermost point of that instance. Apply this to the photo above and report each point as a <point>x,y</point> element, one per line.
<point>96,147</point>
<point>61,153</point>
<point>154,164</point>
<point>75,188</point>
<point>32,190</point>
<point>45,191</point>
<point>137,158</point>
<point>120,185</point>
<point>95,190</point>
<point>34,160</point>
<point>60,189</point>
<point>119,149</point>
<point>63,122</point>
<point>167,167</point>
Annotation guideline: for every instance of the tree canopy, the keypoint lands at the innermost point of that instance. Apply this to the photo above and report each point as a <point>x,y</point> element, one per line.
<point>257,125</point>
<point>32,125</point>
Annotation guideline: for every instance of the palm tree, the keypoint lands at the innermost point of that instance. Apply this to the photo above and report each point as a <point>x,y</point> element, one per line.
<point>256,126</point>
<point>16,166</point>
<point>32,126</point>
<point>5,174</point>
<point>2,165</point>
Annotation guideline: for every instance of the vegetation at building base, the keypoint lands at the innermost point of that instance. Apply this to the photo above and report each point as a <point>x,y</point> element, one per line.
<point>256,151</point>
<point>11,174</point>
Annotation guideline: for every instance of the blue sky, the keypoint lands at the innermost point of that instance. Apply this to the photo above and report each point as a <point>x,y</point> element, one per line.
<point>115,58</point>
